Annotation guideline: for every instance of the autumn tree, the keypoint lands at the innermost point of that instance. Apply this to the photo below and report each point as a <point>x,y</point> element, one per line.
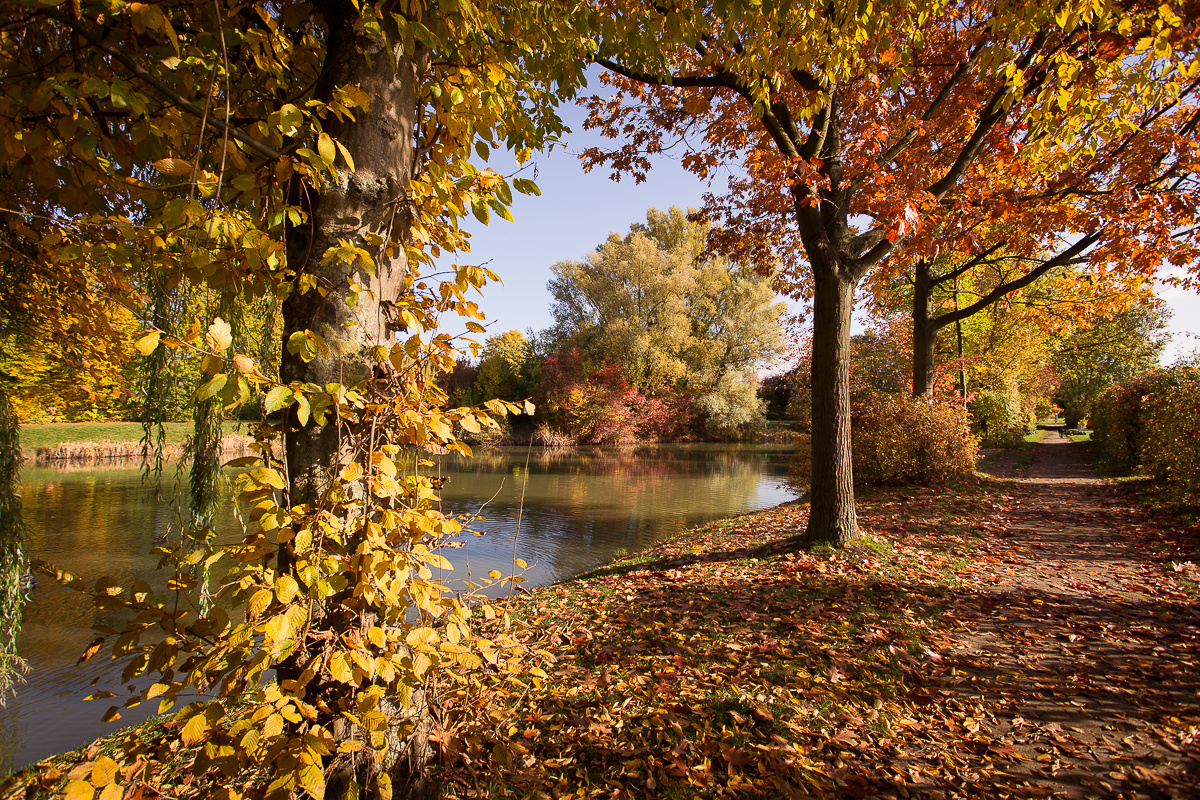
<point>858,128</point>
<point>1107,352</point>
<point>319,154</point>
<point>506,369</point>
<point>669,314</point>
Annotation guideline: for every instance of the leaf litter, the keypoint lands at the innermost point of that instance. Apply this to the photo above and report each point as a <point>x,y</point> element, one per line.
<point>995,639</point>
<point>992,640</point>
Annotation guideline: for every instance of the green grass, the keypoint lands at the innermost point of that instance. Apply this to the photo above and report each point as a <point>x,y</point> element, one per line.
<point>35,436</point>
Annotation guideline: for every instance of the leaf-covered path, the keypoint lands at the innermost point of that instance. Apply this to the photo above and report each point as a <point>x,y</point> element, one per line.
<point>1007,639</point>
<point>1085,644</point>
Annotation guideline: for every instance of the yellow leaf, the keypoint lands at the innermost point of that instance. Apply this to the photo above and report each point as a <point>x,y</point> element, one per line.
<point>270,477</point>
<point>383,464</point>
<point>273,726</point>
<point>79,790</point>
<point>286,588</point>
<point>423,635</point>
<point>148,343</point>
<point>258,603</point>
<point>339,668</point>
<point>104,770</point>
<point>219,336</point>
<point>195,729</point>
<point>312,779</point>
<point>325,148</point>
<point>375,634</point>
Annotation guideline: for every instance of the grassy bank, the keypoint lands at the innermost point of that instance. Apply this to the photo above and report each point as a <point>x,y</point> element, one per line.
<point>35,437</point>
<point>90,442</point>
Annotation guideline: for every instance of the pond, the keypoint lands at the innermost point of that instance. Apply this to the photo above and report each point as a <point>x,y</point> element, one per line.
<point>576,508</point>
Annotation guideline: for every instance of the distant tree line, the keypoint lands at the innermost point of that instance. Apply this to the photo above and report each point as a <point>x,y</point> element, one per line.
<point>653,337</point>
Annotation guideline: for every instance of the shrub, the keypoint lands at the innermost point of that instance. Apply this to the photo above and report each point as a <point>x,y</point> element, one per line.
<point>902,440</point>
<point>905,440</point>
<point>1000,417</point>
<point>1171,449</point>
<point>597,404</point>
<point>1117,421</point>
<point>1153,421</point>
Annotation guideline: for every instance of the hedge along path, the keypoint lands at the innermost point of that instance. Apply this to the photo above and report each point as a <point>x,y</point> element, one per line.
<point>1086,643</point>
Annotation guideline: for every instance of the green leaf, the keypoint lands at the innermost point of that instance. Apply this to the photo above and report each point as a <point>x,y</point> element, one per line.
<point>212,386</point>
<point>526,186</point>
<point>279,397</point>
<point>480,210</point>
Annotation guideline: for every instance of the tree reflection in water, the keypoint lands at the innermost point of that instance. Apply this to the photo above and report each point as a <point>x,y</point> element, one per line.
<point>581,508</point>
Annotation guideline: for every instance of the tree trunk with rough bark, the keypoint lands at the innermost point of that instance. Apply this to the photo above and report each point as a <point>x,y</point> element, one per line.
<point>371,200</point>
<point>924,333</point>
<point>832,519</point>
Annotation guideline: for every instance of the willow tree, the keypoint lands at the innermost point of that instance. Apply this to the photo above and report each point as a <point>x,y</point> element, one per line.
<point>319,154</point>
<point>856,127</point>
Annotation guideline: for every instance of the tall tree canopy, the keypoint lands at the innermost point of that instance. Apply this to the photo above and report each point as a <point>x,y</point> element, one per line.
<point>669,314</point>
<point>858,127</point>
<point>318,153</point>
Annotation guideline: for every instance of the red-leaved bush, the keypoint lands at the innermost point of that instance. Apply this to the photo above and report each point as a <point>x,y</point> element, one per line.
<point>597,404</point>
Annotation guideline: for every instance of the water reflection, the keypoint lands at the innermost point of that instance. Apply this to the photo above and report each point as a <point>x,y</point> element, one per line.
<point>580,508</point>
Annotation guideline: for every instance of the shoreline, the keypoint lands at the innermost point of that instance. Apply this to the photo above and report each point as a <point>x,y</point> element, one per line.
<point>725,661</point>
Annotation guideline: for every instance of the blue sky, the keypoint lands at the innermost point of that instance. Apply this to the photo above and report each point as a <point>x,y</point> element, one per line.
<point>577,210</point>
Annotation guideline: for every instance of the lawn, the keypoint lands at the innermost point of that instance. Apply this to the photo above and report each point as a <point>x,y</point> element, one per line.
<point>37,436</point>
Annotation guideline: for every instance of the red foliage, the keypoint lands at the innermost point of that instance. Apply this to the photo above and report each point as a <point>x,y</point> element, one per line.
<point>596,403</point>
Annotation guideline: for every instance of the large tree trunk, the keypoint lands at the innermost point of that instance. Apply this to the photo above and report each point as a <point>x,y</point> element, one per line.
<point>832,519</point>
<point>371,200</point>
<point>924,333</point>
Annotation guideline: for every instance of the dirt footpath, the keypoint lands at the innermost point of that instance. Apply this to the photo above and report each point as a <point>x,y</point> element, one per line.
<point>1086,648</point>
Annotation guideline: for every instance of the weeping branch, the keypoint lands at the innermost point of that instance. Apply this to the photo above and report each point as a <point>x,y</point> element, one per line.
<point>12,549</point>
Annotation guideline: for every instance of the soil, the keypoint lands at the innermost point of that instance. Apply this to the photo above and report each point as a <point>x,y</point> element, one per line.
<point>1087,656</point>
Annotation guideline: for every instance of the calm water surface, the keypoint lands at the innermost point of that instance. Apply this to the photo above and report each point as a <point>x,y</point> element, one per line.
<point>581,508</point>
